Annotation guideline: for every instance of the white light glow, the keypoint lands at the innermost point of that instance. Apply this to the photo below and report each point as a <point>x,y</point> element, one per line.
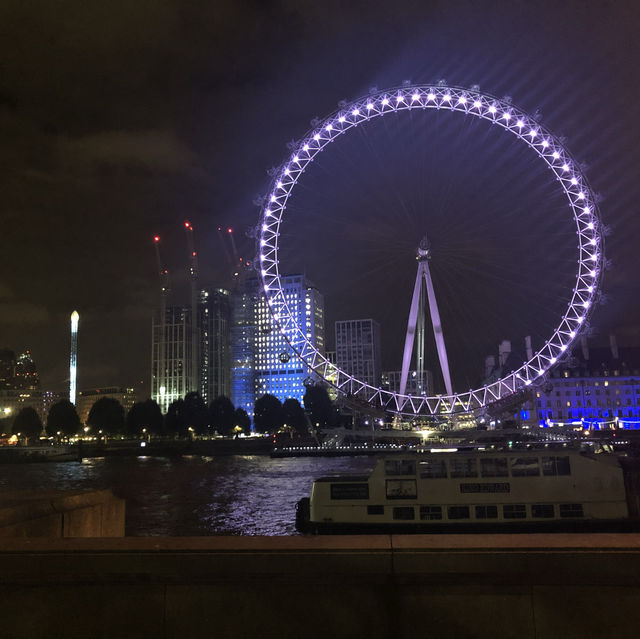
<point>477,104</point>
<point>507,116</point>
<point>316,137</point>
<point>565,167</point>
<point>341,118</point>
<point>355,112</point>
<point>574,181</point>
<point>305,147</point>
<point>369,106</point>
<point>446,97</point>
<point>385,101</point>
<point>520,124</point>
<point>462,100</point>
<point>329,126</point>
<point>399,99</point>
<point>415,97</point>
<point>492,109</point>
<point>431,96</point>
<point>556,155</point>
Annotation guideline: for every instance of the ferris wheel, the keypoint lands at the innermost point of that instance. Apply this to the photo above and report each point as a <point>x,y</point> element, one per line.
<point>580,203</point>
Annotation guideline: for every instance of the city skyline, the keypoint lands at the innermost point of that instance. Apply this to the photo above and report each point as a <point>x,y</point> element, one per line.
<point>102,155</point>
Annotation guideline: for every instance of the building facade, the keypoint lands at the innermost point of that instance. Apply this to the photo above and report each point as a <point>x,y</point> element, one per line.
<point>171,355</point>
<point>595,387</point>
<point>278,370</point>
<point>87,398</point>
<point>358,349</point>
<point>242,335</point>
<point>214,323</point>
<point>416,384</point>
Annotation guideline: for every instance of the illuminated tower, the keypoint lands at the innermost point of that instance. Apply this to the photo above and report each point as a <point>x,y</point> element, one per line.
<point>277,369</point>
<point>73,363</point>
<point>416,324</point>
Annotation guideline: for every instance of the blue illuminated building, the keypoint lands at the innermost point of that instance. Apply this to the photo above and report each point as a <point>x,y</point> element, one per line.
<point>242,345</point>
<point>595,387</point>
<point>278,371</point>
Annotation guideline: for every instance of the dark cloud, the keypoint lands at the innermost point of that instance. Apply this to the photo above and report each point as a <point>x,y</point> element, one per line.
<point>120,119</point>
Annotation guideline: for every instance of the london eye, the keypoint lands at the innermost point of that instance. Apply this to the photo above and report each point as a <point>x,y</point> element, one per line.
<point>579,204</point>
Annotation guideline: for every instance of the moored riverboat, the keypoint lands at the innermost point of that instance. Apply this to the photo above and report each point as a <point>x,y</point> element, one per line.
<point>527,490</point>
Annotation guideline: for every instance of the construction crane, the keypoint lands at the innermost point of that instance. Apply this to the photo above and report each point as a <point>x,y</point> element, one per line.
<point>238,265</point>
<point>164,293</point>
<point>193,274</point>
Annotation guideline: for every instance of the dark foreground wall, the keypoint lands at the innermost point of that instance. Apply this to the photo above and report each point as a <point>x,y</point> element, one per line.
<point>526,586</point>
<point>70,513</point>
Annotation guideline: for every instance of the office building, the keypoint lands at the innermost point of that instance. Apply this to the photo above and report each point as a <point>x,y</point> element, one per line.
<point>278,370</point>
<point>171,353</point>
<point>358,349</point>
<point>214,309</point>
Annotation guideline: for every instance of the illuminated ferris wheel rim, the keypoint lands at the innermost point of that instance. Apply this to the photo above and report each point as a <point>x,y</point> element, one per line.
<point>501,112</point>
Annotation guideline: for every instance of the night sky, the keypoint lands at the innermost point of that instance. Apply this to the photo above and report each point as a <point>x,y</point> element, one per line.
<point>120,120</point>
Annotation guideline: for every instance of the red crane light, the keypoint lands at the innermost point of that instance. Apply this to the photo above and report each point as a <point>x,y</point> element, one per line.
<point>229,230</point>
<point>156,238</point>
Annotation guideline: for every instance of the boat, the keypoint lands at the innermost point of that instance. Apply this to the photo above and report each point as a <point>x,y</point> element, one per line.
<point>528,490</point>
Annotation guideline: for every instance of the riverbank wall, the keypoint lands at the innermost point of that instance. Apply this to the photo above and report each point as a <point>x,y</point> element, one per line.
<point>520,586</point>
<point>79,513</point>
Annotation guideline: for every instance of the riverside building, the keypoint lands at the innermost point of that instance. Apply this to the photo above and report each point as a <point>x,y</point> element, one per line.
<point>278,370</point>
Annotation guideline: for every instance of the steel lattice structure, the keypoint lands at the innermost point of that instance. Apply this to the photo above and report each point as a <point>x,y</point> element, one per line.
<point>502,113</point>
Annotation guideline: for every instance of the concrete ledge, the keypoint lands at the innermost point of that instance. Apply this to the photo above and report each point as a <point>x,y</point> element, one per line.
<point>94,513</point>
<point>520,586</point>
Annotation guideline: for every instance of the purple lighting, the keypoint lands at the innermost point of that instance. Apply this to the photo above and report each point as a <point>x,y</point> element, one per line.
<point>548,148</point>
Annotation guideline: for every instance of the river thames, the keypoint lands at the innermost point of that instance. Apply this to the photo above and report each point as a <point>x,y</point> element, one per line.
<point>192,495</point>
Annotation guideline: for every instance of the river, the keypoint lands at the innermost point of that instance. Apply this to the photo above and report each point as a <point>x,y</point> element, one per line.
<point>192,495</point>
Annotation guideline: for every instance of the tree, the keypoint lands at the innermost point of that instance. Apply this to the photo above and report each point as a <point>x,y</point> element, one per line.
<point>174,421</point>
<point>267,414</point>
<point>221,414</point>
<point>28,423</point>
<point>147,415</point>
<point>319,406</point>
<point>106,415</point>
<point>241,419</point>
<point>63,418</point>
<point>294,417</point>
<point>196,415</point>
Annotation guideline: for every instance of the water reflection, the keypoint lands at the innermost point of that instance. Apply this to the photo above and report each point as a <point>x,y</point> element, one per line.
<point>192,495</point>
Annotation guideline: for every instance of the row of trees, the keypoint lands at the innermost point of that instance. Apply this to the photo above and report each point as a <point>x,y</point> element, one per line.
<point>185,417</point>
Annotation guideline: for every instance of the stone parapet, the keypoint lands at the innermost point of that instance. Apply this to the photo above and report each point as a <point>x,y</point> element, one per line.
<point>520,586</point>
<point>94,513</point>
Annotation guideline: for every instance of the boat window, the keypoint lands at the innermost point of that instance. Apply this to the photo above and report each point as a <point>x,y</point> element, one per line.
<point>401,489</point>
<point>463,468</point>
<point>556,466</point>
<point>349,491</point>
<point>525,467</point>
<point>400,467</point>
<point>571,510</point>
<point>429,513</point>
<point>494,467</point>
<point>433,468</point>
<point>458,512</point>
<point>403,512</point>
<point>486,487</point>
<point>486,512</point>
<point>543,511</point>
<point>514,511</point>
<point>375,510</point>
